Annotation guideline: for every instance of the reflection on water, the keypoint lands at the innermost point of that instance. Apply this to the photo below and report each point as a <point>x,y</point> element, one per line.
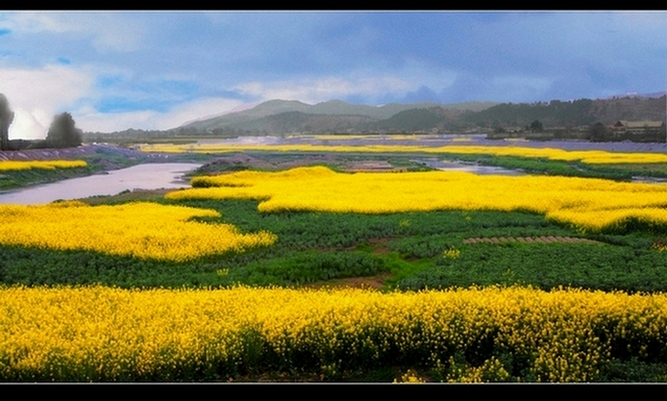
<point>649,180</point>
<point>243,140</point>
<point>470,168</point>
<point>143,176</point>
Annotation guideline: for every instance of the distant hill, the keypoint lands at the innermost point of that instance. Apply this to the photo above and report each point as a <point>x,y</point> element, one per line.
<point>571,113</point>
<point>266,116</point>
<point>635,94</point>
<point>629,108</point>
<point>422,119</point>
<point>277,117</point>
<point>553,114</point>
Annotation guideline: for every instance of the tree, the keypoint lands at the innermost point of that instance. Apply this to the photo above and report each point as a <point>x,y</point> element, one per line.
<point>6,118</point>
<point>598,132</point>
<point>536,126</point>
<point>63,133</point>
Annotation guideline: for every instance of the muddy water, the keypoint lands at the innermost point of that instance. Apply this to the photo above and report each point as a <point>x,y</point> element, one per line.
<point>143,176</point>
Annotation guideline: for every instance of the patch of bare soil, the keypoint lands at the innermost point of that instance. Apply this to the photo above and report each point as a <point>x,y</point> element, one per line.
<point>370,167</point>
<point>372,282</point>
<point>237,160</point>
<point>379,245</point>
<point>47,154</point>
<point>308,160</point>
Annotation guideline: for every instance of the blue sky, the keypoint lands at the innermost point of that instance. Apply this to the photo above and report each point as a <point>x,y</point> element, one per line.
<point>156,70</point>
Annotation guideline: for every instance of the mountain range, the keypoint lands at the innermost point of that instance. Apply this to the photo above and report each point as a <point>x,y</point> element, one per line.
<point>275,117</point>
<point>280,116</point>
<point>333,114</point>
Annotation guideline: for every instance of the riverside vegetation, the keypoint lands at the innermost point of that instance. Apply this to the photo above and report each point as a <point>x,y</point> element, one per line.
<point>15,174</point>
<point>97,292</point>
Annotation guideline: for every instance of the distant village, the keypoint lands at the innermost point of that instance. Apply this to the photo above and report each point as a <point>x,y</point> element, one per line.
<point>621,130</point>
<point>636,128</point>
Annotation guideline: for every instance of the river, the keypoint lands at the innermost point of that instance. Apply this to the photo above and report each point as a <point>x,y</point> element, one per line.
<point>142,176</point>
<point>446,165</point>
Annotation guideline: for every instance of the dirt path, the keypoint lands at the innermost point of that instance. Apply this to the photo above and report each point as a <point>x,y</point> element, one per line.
<point>531,240</point>
<point>372,282</point>
<point>48,154</point>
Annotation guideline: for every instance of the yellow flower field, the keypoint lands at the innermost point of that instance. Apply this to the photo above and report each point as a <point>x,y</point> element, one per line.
<point>11,165</point>
<point>143,230</point>
<point>585,156</point>
<point>591,204</point>
<point>109,334</point>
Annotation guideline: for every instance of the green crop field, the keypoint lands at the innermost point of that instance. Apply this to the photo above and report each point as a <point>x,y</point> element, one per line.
<point>410,252</point>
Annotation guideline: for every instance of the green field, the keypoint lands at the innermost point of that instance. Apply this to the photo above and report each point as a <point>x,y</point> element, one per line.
<point>387,252</point>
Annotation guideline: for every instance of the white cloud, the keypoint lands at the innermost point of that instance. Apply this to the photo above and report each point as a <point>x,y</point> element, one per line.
<point>199,109</point>
<point>36,95</point>
<point>34,22</point>
<point>315,90</point>
<point>109,31</point>
<point>90,120</point>
<point>642,22</point>
<point>517,87</point>
<point>28,124</point>
<point>318,90</point>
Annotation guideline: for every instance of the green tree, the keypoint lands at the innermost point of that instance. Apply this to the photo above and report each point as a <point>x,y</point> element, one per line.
<point>536,126</point>
<point>6,118</point>
<point>63,133</point>
<point>598,132</point>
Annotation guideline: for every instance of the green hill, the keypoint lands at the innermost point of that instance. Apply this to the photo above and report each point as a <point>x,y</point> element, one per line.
<point>277,117</point>
<point>257,118</point>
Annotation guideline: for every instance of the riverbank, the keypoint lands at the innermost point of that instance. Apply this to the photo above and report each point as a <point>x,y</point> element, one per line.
<point>85,151</point>
<point>101,159</point>
<point>145,176</point>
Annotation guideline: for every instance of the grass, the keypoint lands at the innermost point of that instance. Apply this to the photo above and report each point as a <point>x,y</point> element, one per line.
<point>18,179</point>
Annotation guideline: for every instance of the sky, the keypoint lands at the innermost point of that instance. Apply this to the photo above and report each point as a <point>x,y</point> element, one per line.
<point>148,70</point>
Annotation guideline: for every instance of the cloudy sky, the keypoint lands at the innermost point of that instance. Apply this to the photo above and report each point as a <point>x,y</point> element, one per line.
<point>156,70</point>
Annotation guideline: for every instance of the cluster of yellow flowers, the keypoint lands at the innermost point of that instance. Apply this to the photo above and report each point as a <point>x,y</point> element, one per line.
<point>11,165</point>
<point>383,138</point>
<point>585,156</point>
<point>590,204</point>
<point>99,333</point>
<point>143,230</point>
<point>660,247</point>
<point>451,253</point>
<point>410,377</point>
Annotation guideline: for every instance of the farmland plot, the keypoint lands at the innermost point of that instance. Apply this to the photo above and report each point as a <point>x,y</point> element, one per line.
<point>572,292</point>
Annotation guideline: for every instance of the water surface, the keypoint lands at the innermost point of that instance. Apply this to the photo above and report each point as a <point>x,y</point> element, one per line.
<point>446,165</point>
<point>142,176</point>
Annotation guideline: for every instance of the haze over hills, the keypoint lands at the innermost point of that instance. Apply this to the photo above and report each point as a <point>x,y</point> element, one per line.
<point>243,119</point>
<point>278,117</point>
<point>642,95</point>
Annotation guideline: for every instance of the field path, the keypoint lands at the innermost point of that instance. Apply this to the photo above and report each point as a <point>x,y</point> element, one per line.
<point>531,240</point>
